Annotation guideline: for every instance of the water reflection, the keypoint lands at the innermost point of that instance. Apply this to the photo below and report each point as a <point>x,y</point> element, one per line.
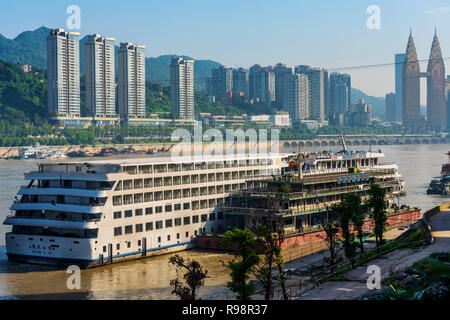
<point>147,278</point>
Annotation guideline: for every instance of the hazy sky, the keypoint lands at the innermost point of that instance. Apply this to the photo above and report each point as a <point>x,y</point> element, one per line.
<point>331,34</point>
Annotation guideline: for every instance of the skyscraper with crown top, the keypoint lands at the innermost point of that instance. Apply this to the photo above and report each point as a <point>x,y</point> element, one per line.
<point>436,101</point>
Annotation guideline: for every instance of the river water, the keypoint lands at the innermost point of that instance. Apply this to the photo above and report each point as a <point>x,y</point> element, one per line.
<point>149,278</point>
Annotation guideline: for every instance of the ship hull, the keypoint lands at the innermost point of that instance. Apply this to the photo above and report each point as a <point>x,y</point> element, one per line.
<point>87,263</point>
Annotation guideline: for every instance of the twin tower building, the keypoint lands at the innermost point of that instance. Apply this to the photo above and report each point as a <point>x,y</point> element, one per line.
<point>437,88</point>
<point>63,67</point>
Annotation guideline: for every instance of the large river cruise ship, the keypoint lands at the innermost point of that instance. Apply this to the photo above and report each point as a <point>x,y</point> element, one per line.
<point>98,212</point>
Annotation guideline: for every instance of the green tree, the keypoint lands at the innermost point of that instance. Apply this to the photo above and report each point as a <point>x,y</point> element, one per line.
<point>345,211</point>
<point>330,226</point>
<point>241,268</point>
<point>194,277</point>
<point>358,217</point>
<point>263,271</point>
<point>272,256</point>
<point>378,205</point>
<point>279,262</point>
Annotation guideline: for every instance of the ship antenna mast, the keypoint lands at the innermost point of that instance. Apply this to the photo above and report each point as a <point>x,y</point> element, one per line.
<point>344,145</point>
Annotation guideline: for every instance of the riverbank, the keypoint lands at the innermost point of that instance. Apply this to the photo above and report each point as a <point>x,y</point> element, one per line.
<point>7,153</point>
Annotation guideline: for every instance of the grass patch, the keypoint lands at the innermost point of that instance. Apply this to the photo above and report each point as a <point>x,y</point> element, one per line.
<point>433,269</point>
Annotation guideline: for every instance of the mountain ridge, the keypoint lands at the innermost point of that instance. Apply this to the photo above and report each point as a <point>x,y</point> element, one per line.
<point>30,47</point>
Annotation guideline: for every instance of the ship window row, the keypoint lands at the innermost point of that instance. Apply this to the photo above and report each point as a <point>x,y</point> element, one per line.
<point>56,232</point>
<point>193,205</point>
<point>177,236</point>
<point>181,193</point>
<point>139,242</point>
<point>167,223</point>
<point>169,237</point>
<point>73,184</point>
<point>58,215</point>
<point>188,179</point>
<point>63,199</point>
<point>364,162</point>
<point>178,167</point>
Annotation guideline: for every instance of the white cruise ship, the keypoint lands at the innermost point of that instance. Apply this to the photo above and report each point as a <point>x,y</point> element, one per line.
<point>100,212</point>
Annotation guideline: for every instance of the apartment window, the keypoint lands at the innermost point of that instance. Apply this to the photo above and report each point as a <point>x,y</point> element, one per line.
<point>178,236</point>
<point>118,231</point>
<point>186,206</point>
<point>168,237</point>
<point>159,224</point>
<point>104,248</point>
<point>159,239</point>
<point>177,207</point>
<point>186,220</point>
<point>149,226</point>
<point>158,209</point>
<point>212,216</point>
<point>148,211</point>
<point>195,232</point>
<point>187,234</point>
<point>138,212</point>
<point>129,245</point>
<point>168,223</point>
<point>117,214</point>
<point>118,246</point>
<point>178,222</point>
<point>168,208</point>
<point>128,229</point>
<point>194,219</point>
<point>204,217</point>
<point>139,227</point>
<point>128,213</point>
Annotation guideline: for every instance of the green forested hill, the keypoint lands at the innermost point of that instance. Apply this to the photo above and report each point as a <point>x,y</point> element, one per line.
<point>23,97</point>
<point>31,47</point>
<point>25,92</point>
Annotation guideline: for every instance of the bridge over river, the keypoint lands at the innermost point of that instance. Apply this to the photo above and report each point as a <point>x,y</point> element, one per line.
<point>364,141</point>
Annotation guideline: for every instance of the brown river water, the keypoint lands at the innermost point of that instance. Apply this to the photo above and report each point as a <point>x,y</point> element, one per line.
<point>149,278</point>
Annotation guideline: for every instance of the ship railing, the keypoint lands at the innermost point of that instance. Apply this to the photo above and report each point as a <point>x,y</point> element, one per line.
<point>279,211</point>
<point>299,194</point>
<point>64,187</point>
<point>68,203</point>
<point>318,192</point>
<point>296,210</point>
<point>43,217</point>
<point>331,175</point>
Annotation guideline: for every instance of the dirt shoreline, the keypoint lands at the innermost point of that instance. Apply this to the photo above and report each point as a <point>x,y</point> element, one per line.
<point>90,151</point>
